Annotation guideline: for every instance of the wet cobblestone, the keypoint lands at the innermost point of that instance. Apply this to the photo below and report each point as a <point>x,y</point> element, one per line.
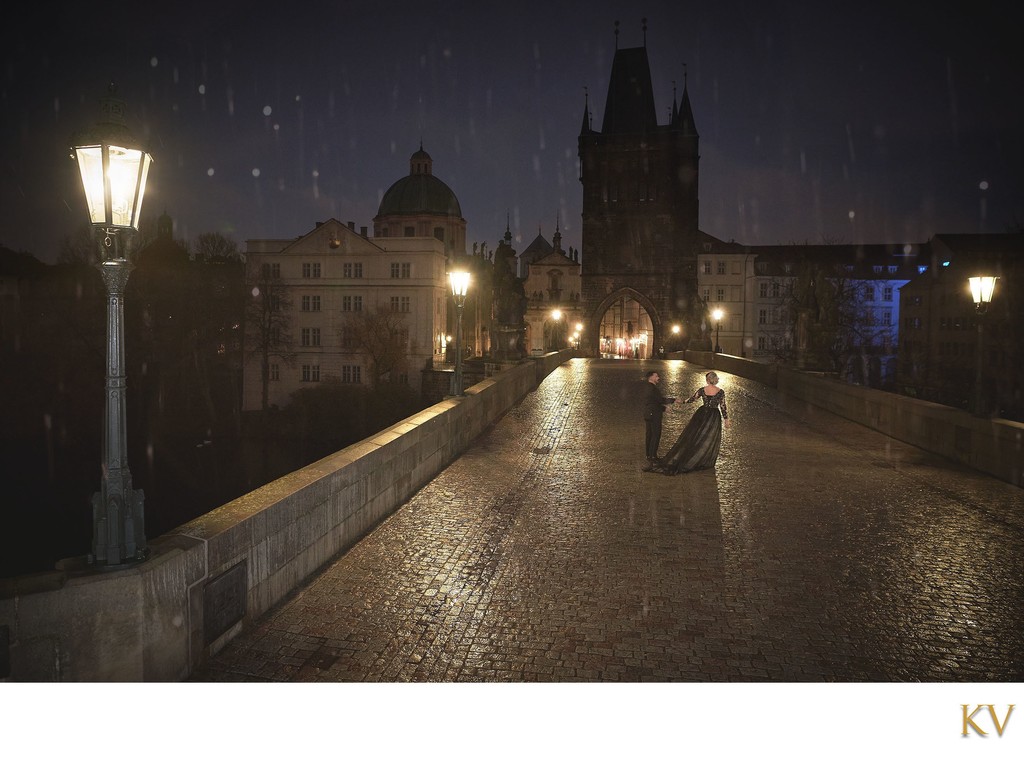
<point>817,550</point>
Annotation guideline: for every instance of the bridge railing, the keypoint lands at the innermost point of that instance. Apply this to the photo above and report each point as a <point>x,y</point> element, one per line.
<point>207,580</point>
<point>993,446</point>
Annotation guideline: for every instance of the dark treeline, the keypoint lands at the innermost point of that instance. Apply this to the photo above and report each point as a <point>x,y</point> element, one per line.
<point>190,447</point>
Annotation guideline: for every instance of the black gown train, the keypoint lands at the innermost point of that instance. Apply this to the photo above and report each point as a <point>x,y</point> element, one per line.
<point>701,439</point>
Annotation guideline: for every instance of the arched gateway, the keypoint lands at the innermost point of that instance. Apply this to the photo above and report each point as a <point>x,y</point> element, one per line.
<point>639,233</point>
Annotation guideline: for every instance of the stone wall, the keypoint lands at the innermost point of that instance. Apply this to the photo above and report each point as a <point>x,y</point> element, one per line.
<point>993,446</point>
<point>209,579</point>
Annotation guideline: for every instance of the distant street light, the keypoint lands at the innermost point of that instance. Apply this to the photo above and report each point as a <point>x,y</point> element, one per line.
<point>717,315</point>
<point>556,331</point>
<point>114,171</point>
<point>460,284</point>
<point>982,290</point>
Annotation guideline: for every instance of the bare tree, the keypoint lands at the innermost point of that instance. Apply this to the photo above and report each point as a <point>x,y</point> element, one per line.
<point>213,246</point>
<point>268,326</point>
<point>383,335</point>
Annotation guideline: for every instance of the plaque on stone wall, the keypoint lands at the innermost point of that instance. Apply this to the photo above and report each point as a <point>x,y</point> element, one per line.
<point>224,602</point>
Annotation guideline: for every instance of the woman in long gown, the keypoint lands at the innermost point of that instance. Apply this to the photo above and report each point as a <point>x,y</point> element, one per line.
<point>701,439</point>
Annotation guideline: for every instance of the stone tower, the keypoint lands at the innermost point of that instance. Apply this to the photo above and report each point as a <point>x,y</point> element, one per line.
<point>640,204</point>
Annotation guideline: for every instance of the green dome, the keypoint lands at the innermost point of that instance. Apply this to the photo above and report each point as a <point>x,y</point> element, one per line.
<point>420,192</point>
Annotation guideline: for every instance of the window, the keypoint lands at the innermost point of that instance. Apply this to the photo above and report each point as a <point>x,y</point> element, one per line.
<point>775,289</point>
<point>721,293</point>
<point>439,233</point>
<point>352,270</point>
<point>762,316</point>
<point>348,338</point>
<point>410,231</point>
<point>869,292</point>
<point>270,271</point>
<point>401,303</point>
<point>763,290</point>
<point>352,303</point>
<point>760,343</point>
<point>887,317</point>
<point>401,271</point>
<point>352,374</point>
<point>707,267</point>
<point>893,269</point>
<point>310,302</point>
<point>311,270</point>
<point>706,294</point>
<point>721,267</point>
<point>887,294</point>
<point>876,269</point>
<point>310,337</point>
<point>275,302</point>
<point>310,372</point>
<point>275,372</point>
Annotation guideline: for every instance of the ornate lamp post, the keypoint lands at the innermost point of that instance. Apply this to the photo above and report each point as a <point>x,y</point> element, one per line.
<point>717,315</point>
<point>460,284</point>
<point>114,171</point>
<point>982,289</point>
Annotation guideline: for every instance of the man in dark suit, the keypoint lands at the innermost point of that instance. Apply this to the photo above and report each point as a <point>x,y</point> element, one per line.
<point>654,409</point>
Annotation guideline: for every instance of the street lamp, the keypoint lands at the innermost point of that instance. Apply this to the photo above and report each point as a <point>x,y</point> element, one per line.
<point>114,171</point>
<point>982,289</point>
<point>460,283</point>
<point>717,316</point>
<point>556,329</point>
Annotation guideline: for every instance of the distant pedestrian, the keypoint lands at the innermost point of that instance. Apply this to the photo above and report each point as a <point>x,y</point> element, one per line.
<point>654,410</point>
<point>701,439</point>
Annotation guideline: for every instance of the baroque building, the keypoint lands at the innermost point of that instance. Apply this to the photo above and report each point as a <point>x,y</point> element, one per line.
<point>338,305</point>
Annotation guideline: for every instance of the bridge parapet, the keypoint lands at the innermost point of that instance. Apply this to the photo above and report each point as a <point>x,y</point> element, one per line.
<point>209,579</point>
<point>993,446</point>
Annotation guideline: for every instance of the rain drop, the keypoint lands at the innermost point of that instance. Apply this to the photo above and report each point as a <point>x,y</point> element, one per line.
<point>255,172</point>
<point>153,62</point>
<point>209,172</point>
<point>267,110</point>
<point>983,185</point>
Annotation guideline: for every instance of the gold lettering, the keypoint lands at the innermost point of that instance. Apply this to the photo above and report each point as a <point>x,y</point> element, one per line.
<point>995,720</point>
<point>969,720</point>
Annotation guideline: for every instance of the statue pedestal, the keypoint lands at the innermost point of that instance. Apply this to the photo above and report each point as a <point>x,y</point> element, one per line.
<point>507,343</point>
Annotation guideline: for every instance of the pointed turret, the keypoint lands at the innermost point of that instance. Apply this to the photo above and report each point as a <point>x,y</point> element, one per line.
<point>585,128</point>
<point>684,118</point>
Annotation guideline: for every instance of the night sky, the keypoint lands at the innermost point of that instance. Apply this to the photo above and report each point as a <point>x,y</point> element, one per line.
<point>866,124</point>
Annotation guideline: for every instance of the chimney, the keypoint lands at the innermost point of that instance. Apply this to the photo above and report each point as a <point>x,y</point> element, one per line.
<point>362,231</point>
<point>352,226</point>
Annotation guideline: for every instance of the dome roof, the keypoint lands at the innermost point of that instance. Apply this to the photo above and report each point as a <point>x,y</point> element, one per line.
<point>420,192</point>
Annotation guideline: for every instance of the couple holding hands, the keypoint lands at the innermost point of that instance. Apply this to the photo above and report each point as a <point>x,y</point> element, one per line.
<point>701,439</point>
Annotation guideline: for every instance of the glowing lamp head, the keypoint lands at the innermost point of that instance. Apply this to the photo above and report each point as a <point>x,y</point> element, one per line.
<point>717,314</point>
<point>982,289</point>
<point>459,280</point>
<point>113,169</point>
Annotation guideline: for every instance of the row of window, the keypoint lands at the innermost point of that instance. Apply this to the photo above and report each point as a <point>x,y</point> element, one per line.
<point>350,373</point>
<point>349,270</point>
<point>411,232</point>
<point>399,303</point>
<point>310,337</point>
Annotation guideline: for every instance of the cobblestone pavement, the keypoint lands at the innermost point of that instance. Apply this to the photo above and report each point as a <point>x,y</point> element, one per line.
<point>817,550</point>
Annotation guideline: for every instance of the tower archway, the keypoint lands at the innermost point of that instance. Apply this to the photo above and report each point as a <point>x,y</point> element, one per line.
<point>625,324</point>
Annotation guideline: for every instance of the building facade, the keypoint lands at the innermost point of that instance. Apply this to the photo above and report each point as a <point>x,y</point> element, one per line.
<point>348,308</point>
<point>950,349</point>
<point>553,286</point>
